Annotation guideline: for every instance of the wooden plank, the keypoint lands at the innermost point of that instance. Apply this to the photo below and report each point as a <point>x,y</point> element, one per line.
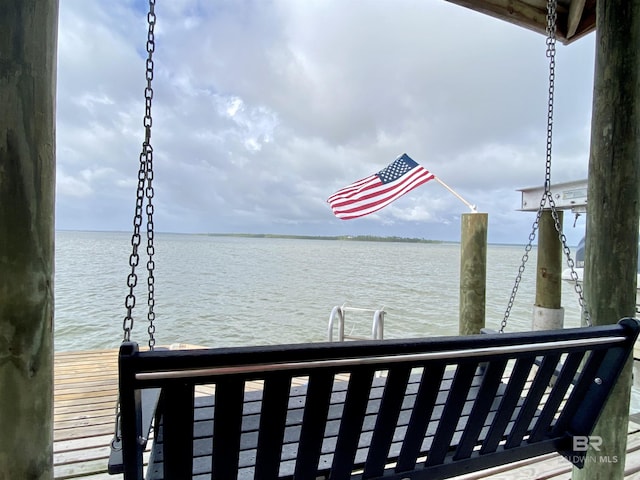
<point>576,9</point>
<point>68,445</point>
<point>83,432</point>
<point>78,456</point>
<point>97,409</point>
<point>89,384</point>
<point>86,469</point>
<point>81,401</point>
<point>65,357</point>
<point>84,421</point>
<point>75,470</point>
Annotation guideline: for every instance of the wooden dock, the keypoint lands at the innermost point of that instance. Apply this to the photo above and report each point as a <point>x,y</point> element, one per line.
<point>85,396</point>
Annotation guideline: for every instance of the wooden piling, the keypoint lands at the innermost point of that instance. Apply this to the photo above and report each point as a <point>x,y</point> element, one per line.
<point>28,41</point>
<point>548,313</point>
<point>614,207</point>
<point>473,272</point>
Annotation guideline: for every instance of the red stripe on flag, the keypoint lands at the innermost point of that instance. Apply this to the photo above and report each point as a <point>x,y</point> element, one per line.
<point>370,194</point>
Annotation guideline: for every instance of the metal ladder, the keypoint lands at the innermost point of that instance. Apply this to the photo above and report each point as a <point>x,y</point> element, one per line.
<point>338,317</point>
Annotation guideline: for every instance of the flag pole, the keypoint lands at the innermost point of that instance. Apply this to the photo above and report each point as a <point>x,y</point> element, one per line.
<point>471,207</point>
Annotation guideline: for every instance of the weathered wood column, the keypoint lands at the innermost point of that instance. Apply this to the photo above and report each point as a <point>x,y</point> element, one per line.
<point>28,41</point>
<point>614,208</point>
<point>473,272</point>
<point>548,313</point>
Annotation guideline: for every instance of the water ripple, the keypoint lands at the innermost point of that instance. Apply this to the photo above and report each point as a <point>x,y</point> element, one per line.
<point>220,291</point>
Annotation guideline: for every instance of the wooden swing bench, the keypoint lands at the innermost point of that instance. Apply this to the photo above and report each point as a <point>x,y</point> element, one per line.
<point>395,409</point>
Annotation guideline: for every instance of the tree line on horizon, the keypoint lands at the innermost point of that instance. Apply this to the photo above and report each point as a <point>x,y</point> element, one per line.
<point>357,238</point>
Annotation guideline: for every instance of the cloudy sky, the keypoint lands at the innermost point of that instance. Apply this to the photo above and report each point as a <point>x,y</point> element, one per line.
<point>264,108</point>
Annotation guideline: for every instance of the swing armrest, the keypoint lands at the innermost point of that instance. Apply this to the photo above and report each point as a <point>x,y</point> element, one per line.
<point>149,400</point>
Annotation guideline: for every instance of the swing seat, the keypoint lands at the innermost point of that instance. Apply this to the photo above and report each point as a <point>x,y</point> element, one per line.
<point>395,409</point>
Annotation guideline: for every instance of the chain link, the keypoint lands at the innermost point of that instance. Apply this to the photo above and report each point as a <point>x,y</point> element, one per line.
<point>116,443</point>
<point>570,263</point>
<point>552,16</point>
<point>144,192</point>
<point>149,192</point>
<point>547,196</point>
<point>521,269</point>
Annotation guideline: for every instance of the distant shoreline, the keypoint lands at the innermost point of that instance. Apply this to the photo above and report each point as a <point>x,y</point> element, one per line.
<point>350,238</point>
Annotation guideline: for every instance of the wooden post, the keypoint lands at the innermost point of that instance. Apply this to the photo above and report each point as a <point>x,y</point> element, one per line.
<point>28,41</point>
<point>473,272</point>
<point>548,313</point>
<point>614,207</point>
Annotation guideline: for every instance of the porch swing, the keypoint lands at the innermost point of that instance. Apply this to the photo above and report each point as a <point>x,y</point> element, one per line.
<point>392,409</point>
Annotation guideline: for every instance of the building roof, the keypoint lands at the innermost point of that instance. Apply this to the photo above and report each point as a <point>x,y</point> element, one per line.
<point>576,18</point>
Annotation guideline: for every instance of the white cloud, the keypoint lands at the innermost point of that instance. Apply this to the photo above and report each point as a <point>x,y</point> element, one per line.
<point>262,109</point>
<point>70,186</point>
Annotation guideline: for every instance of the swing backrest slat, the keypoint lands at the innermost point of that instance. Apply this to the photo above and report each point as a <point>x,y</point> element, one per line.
<point>404,409</point>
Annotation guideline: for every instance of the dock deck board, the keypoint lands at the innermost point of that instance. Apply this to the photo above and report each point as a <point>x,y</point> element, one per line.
<point>85,395</point>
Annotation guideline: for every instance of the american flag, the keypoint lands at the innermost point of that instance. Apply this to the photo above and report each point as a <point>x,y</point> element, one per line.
<point>380,189</point>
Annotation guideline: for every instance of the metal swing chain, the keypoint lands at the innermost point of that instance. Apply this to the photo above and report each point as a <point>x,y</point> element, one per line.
<point>144,191</point>
<point>551,53</point>
<point>547,197</point>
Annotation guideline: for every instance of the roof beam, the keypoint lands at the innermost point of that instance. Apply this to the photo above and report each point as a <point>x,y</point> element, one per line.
<point>575,17</point>
<point>582,19</point>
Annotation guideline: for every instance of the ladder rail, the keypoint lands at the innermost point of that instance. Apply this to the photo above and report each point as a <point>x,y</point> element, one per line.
<point>337,317</point>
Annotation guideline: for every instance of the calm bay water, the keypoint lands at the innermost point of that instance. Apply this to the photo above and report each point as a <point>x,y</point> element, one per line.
<point>226,291</point>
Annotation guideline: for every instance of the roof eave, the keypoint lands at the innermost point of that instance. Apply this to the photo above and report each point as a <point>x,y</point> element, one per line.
<point>576,18</point>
